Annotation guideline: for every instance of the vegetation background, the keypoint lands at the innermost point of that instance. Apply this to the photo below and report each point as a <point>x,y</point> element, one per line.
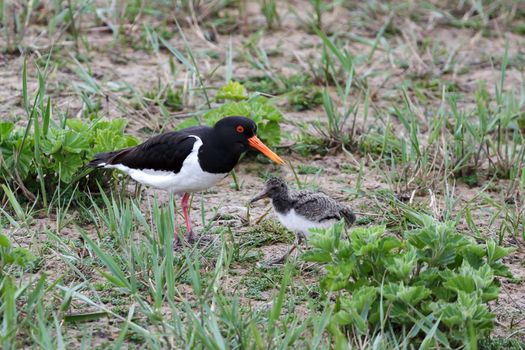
<point>410,111</point>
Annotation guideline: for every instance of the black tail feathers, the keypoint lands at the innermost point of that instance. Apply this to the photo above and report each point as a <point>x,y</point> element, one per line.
<point>101,159</point>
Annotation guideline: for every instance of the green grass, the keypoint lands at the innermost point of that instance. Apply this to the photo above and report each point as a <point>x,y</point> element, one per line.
<point>410,110</point>
<point>304,169</point>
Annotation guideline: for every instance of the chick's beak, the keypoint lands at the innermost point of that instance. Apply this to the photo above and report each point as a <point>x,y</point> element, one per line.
<point>258,145</point>
<point>261,195</point>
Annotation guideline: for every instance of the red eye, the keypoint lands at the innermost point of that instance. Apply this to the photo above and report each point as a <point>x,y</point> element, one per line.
<point>240,129</point>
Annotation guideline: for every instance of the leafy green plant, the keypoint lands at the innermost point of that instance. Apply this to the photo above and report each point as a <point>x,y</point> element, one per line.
<point>432,280</point>
<point>233,91</point>
<point>256,107</point>
<point>55,152</point>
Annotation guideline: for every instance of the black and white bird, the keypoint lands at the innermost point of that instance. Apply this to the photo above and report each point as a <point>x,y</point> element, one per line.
<point>188,160</point>
<point>301,210</point>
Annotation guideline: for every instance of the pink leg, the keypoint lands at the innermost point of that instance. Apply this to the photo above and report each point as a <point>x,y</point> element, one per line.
<point>185,207</point>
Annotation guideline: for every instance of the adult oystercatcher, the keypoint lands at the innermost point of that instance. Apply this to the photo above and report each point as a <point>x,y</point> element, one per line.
<point>189,160</point>
<point>300,211</point>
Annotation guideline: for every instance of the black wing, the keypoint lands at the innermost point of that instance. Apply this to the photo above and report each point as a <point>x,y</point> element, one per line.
<point>162,152</point>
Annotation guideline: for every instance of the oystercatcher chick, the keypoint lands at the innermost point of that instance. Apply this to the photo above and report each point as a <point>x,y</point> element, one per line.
<point>300,211</point>
<point>188,160</point>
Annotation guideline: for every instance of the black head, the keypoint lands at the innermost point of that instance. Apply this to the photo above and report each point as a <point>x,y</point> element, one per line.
<point>240,133</point>
<point>274,187</point>
<point>236,130</point>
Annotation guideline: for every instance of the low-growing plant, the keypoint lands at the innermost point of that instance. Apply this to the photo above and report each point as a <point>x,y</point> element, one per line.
<point>278,84</point>
<point>383,143</point>
<point>239,103</point>
<point>307,143</point>
<point>165,98</point>
<point>319,7</point>
<point>304,169</point>
<point>336,67</point>
<point>12,257</point>
<point>52,153</point>
<point>233,91</point>
<point>305,98</point>
<point>269,10</point>
<point>433,282</point>
<point>13,24</point>
<point>18,298</point>
<point>498,343</point>
<point>488,133</point>
<point>335,130</point>
<point>264,83</point>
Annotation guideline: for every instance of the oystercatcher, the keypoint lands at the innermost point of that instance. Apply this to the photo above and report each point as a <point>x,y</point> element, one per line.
<point>300,211</point>
<point>189,160</point>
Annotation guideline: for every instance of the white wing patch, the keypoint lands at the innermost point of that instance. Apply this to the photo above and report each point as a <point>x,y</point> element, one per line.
<point>190,178</point>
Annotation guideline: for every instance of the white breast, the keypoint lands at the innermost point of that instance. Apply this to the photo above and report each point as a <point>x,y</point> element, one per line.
<point>298,223</point>
<point>190,178</point>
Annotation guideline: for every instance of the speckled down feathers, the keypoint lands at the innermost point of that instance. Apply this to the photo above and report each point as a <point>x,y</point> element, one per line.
<point>317,206</point>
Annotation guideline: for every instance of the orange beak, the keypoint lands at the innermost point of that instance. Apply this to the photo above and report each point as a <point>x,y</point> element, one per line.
<point>258,145</point>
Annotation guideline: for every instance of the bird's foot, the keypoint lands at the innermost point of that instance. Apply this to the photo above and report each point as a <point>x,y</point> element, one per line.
<point>183,241</point>
<point>180,242</point>
<point>189,237</point>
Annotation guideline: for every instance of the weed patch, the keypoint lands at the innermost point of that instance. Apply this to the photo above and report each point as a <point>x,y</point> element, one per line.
<point>432,281</point>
